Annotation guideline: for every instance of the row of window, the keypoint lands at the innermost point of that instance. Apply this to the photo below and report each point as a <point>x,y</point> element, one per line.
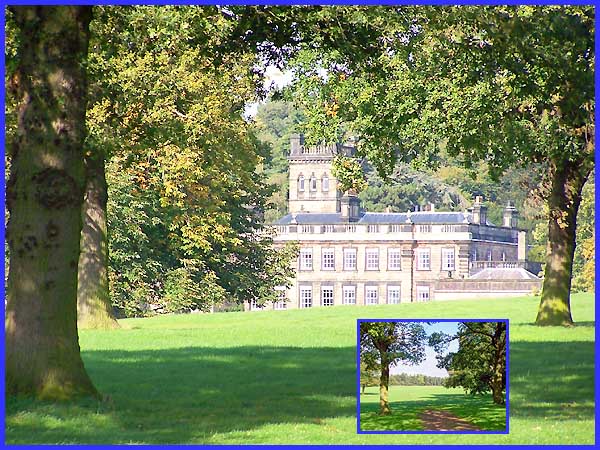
<point>349,295</point>
<point>371,228</point>
<point>312,183</point>
<point>394,257</point>
<point>372,297</point>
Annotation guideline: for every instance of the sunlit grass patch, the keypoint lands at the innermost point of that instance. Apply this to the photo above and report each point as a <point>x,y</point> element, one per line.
<point>289,377</point>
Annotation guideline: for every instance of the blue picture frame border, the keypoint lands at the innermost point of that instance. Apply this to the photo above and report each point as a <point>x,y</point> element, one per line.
<point>507,403</point>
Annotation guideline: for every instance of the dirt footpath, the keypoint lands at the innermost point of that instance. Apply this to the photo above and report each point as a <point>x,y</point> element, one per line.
<point>435,420</point>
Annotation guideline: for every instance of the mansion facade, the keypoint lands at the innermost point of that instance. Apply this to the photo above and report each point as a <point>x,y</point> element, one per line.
<point>351,257</point>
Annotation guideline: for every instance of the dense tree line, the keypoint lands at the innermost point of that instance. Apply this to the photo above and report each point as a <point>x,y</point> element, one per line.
<point>402,379</point>
<point>405,379</point>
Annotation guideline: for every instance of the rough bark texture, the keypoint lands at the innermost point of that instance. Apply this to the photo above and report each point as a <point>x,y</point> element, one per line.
<point>44,196</point>
<point>498,382</point>
<point>94,309</point>
<point>384,382</point>
<point>568,179</point>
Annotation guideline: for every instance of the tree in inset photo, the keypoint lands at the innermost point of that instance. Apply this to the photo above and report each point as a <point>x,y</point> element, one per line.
<point>383,344</point>
<point>479,365</point>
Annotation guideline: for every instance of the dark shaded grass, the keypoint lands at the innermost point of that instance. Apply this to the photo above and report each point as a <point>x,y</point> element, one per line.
<point>289,377</point>
<point>552,380</point>
<point>172,396</point>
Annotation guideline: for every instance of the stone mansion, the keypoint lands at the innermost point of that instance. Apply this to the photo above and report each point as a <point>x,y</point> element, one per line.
<point>351,257</point>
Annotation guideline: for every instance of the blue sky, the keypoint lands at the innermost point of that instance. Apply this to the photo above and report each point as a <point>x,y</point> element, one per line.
<point>428,367</point>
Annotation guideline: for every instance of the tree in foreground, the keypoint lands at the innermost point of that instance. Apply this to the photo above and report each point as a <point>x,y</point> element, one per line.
<point>44,197</point>
<point>511,86</point>
<point>185,198</point>
<point>94,308</point>
<point>384,344</point>
<point>479,364</point>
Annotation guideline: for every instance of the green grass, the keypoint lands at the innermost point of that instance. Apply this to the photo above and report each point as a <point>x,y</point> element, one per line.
<point>407,402</point>
<point>289,377</point>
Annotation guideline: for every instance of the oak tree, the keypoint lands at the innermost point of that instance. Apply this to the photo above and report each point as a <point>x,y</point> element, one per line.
<point>479,364</point>
<point>384,344</point>
<point>44,195</point>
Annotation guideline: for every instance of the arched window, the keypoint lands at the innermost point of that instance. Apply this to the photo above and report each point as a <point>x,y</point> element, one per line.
<point>503,256</point>
<point>313,183</point>
<point>325,183</point>
<point>489,255</point>
<point>301,183</point>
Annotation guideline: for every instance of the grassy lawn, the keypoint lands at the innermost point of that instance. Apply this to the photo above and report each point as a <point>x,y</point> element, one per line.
<point>289,377</point>
<point>407,402</point>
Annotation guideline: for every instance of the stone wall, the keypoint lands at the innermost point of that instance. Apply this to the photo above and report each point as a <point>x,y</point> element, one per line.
<point>462,289</point>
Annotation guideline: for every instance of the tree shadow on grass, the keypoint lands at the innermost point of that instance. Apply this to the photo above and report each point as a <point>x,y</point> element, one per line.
<point>189,394</point>
<point>478,410</point>
<point>552,380</point>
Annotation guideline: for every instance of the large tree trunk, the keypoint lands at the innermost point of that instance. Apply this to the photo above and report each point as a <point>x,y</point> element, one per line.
<point>384,382</point>
<point>498,382</point>
<point>94,309</point>
<point>497,392</point>
<point>568,179</point>
<point>44,196</point>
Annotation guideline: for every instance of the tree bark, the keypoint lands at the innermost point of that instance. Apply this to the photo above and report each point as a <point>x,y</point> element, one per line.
<point>44,196</point>
<point>384,382</point>
<point>568,179</point>
<point>94,309</point>
<point>498,383</point>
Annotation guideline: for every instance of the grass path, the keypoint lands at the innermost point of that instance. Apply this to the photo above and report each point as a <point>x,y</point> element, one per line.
<point>417,408</point>
<point>290,377</point>
<point>439,420</point>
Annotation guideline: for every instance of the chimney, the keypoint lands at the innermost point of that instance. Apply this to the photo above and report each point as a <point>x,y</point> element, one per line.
<point>479,211</point>
<point>296,143</point>
<point>522,245</point>
<point>350,207</point>
<point>510,216</point>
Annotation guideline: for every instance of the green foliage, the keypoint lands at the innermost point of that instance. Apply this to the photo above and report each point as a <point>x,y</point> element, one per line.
<point>405,379</point>
<point>584,260</point>
<point>275,122</point>
<point>407,188</point>
<point>349,174</point>
<point>368,377</point>
<point>168,97</point>
<point>186,290</point>
<point>387,343</point>
<point>476,82</point>
<point>481,356</point>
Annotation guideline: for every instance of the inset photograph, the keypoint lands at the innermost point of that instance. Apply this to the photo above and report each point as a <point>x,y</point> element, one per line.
<point>432,376</point>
